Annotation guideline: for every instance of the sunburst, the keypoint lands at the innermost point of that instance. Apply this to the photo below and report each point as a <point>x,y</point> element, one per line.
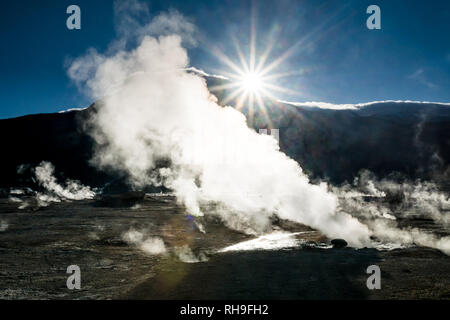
<point>252,81</point>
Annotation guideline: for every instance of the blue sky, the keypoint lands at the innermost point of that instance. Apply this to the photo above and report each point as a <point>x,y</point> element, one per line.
<point>336,59</point>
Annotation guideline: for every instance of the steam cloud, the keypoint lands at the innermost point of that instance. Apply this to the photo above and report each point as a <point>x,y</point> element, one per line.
<point>72,190</point>
<point>153,110</point>
<point>3,225</point>
<point>53,191</point>
<point>379,203</point>
<point>149,245</point>
<point>185,254</point>
<point>158,123</point>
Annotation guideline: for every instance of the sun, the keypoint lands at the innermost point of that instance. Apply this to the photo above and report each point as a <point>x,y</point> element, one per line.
<point>250,79</point>
<point>252,82</point>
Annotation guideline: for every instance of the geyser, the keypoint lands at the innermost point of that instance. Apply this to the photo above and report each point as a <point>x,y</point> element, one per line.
<point>153,109</point>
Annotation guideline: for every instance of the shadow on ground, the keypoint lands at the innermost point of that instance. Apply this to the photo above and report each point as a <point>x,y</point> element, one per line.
<point>285,274</point>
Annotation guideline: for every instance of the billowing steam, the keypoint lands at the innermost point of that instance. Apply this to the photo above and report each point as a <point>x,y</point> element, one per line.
<point>155,246</point>
<point>3,225</point>
<point>149,245</point>
<point>154,112</point>
<point>53,191</point>
<point>185,254</point>
<point>380,203</point>
<point>158,123</point>
<point>71,190</point>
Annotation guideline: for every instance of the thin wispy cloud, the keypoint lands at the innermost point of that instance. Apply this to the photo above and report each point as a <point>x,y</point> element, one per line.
<point>420,76</point>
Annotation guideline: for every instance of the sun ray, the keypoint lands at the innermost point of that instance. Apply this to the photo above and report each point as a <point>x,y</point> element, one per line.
<point>275,76</point>
<point>263,109</point>
<point>244,64</point>
<point>265,55</point>
<point>251,82</point>
<point>227,61</point>
<point>241,100</point>
<point>308,39</point>
<point>233,95</point>
<point>278,88</point>
<point>224,86</point>
<point>251,111</point>
<point>252,39</point>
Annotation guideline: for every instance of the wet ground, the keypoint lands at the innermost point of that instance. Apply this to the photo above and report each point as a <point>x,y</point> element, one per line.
<point>38,244</point>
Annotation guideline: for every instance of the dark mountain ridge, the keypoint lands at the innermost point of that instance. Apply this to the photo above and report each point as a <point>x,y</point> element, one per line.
<point>410,138</point>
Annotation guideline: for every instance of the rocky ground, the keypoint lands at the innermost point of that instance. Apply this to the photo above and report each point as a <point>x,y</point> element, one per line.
<point>38,244</point>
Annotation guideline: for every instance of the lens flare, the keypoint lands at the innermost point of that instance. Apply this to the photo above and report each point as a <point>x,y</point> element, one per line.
<point>250,81</point>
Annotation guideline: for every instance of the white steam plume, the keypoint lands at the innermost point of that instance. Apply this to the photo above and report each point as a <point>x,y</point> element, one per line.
<point>71,190</point>
<point>3,225</point>
<point>158,123</point>
<point>149,245</point>
<point>185,254</point>
<point>154,110</point>
<point>379,203</point>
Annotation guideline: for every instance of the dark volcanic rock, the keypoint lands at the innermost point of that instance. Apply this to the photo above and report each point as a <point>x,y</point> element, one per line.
<point>339,243</point>
<point>127,199</point>
<point>36,249</point>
